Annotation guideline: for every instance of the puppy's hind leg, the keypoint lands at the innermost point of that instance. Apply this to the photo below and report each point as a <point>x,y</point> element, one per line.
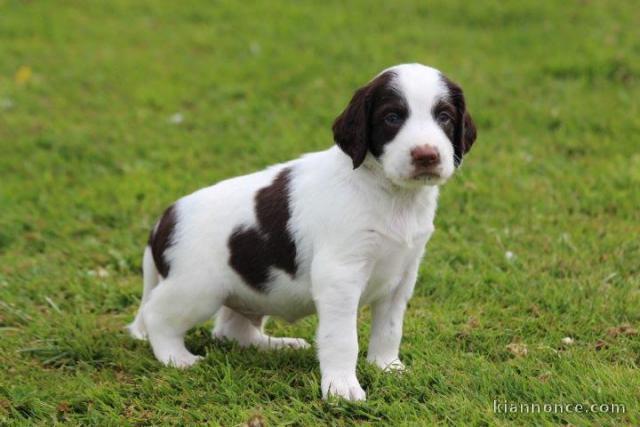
<point>151,278</point>
<point>248,331</point>
<point>176,305</point>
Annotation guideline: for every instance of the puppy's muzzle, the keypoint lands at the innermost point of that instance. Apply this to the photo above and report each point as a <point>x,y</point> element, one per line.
<point>426,161</point>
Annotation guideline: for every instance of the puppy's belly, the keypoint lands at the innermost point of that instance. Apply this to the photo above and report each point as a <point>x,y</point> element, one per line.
<point>290,298</point>
<point>287,298</point>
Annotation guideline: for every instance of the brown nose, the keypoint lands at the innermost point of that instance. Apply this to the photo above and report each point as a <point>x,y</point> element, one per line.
<point>425,155</point>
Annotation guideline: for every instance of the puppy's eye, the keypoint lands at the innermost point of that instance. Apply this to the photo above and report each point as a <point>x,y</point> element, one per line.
<point>392,119</point>
<point>444,118</point>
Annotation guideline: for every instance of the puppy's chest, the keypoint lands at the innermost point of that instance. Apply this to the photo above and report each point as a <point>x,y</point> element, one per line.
<point>392,260</point>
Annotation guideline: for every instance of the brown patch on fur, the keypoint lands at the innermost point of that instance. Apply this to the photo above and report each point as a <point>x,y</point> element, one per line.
<point>254,250</point>
<point>161,238</point>
<point>361,127</point>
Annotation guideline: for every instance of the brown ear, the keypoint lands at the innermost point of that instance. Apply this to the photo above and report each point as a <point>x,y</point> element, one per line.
<point>465,134</point>
<point>469,134</point>
<point>351,128</point>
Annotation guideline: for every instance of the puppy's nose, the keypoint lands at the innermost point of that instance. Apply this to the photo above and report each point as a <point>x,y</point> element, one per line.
<point>425,155</point>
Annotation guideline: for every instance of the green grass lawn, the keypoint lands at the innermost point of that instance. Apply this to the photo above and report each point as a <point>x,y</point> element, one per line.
<point>90,155</point>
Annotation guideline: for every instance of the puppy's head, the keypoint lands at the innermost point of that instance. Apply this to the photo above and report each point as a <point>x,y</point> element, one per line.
<point>412,120</point>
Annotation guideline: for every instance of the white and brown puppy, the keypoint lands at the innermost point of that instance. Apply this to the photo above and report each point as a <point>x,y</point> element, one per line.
<point>326,233</point>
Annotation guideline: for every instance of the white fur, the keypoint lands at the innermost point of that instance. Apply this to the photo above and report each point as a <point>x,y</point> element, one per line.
<point>360,235</point>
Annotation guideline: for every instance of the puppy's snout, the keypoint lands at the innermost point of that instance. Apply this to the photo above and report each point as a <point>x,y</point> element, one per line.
<point>425,155</point>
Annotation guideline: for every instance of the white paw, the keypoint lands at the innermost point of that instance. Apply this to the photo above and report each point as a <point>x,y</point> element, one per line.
<point>388,364</point>
<point>137,331</point>
<point>395,366</point>
<point>297,343</point>
<point>182,360</point>
<point>346,387</point>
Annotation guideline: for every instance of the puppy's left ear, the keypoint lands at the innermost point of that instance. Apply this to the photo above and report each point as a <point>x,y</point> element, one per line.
<point>465,134</point>
<point>351,128</point>
<point>469,132</point>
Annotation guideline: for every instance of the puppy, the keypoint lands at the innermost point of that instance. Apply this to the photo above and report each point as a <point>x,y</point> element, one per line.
<point>326,233</point>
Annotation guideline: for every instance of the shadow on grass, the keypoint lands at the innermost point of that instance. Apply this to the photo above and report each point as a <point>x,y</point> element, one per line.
<point>199,341</point>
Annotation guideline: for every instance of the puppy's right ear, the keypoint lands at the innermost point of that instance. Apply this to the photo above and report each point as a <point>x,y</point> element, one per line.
<point>351,128</point>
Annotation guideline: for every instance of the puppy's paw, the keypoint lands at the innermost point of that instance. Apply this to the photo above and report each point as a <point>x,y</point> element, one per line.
<point>388,364</point>
<point>276,343</point>
<point>395,366</point>
<point>344,386</point>
<point>181,360</point>
<point>136,330</point>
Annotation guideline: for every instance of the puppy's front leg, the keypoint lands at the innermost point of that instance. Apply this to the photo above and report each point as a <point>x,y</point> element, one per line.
<point>386,332</point>
<point>336,292</point>
<point>387,318</point>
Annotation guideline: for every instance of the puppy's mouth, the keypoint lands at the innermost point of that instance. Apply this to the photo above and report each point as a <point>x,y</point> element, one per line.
<point>425,175</point>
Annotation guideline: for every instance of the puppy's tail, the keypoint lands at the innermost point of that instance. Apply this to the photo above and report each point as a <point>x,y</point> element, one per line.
<point>151,278</point>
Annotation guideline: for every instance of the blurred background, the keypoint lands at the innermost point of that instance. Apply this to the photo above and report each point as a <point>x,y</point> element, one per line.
<point>110,111</point>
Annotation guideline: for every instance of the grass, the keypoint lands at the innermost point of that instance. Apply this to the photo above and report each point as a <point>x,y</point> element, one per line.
<point>90,156</point>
